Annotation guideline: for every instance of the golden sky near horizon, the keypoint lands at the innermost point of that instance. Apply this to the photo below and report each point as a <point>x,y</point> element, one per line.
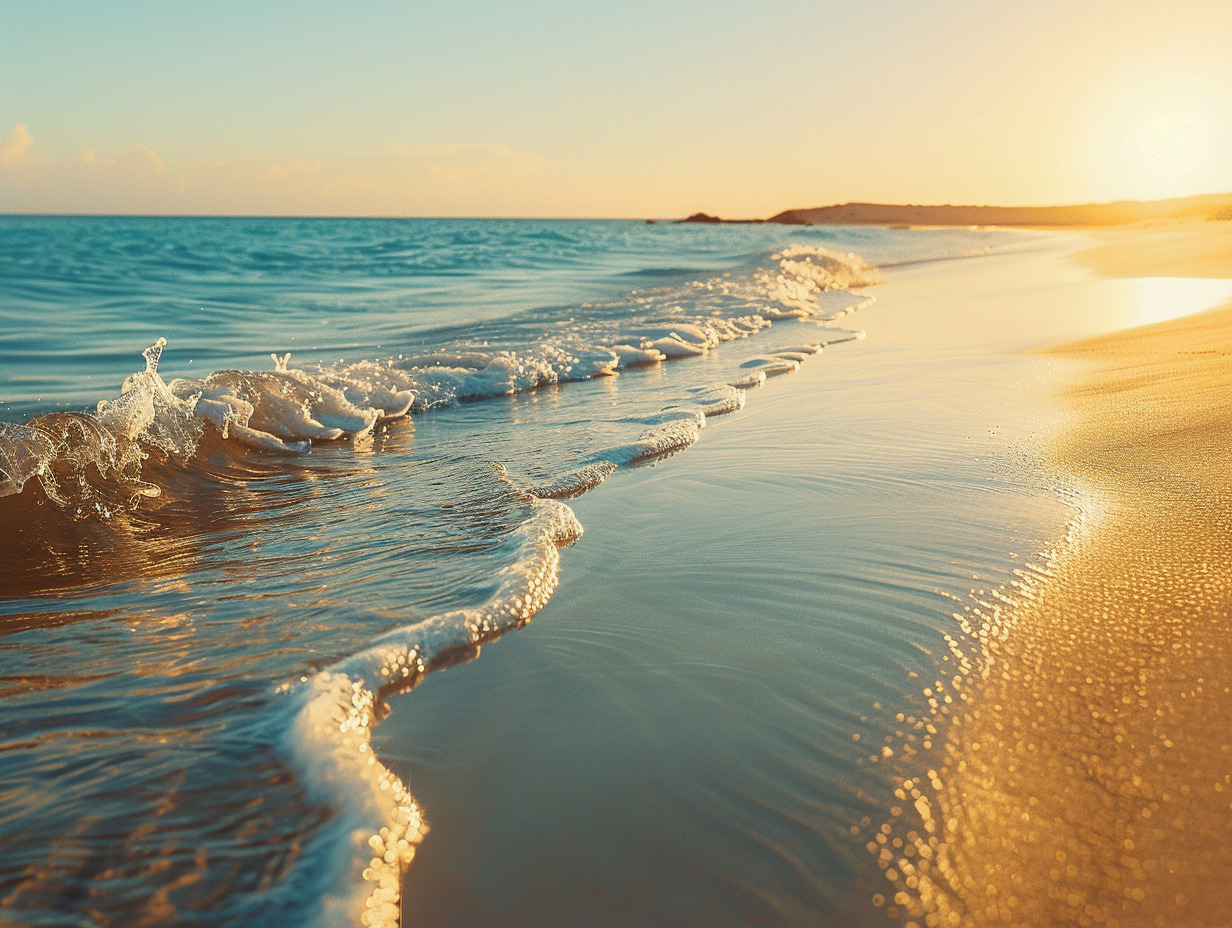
<point>553,109</point>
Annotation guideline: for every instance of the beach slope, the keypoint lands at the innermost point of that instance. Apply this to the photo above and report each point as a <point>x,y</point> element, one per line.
<point>1086,778</point>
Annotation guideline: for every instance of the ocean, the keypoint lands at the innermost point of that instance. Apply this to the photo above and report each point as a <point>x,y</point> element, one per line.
<point>260,478</point>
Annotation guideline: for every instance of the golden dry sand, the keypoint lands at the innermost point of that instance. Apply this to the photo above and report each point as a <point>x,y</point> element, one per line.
<point>1086,777</point>
<point>1192,248</point>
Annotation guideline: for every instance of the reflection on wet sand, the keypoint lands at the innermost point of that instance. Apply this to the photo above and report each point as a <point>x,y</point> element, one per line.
<point>1086,777</point>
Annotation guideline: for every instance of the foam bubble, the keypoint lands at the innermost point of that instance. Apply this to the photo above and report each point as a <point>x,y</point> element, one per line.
<point>372,385</point>
<point>656,442</point>
<point>673,347</point>
<point>769,365</point>
<point>566,486</point>
<point>92,464</point>
<point>719,399</point>
<point>750,380</point>
<point>638,357</point>
<point>330,736</point>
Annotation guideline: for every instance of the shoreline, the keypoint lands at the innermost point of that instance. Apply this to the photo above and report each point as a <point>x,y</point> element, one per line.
<point>1085,778</point>
<point>780,590</point>
<point>586,641</point>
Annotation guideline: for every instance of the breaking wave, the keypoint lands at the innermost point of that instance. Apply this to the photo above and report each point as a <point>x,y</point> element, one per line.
<point>95,465</point>
<point>91,464</point>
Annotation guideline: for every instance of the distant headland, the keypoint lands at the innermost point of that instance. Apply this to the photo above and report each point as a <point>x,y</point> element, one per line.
<point>1123,212</point>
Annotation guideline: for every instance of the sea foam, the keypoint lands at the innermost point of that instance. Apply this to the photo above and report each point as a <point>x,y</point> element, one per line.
<point>330,737</point>
<point>92,464</point>
<point>95,464</point>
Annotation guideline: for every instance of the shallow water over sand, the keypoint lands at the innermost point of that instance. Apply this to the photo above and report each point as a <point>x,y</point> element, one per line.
<point>684,735</point>
<point>672,739</point>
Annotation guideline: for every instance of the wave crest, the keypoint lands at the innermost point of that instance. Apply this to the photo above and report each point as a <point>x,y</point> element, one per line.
<point>91,464</point>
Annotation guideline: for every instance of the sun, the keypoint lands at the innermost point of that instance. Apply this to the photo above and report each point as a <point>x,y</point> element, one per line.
<point>1166,146</point>
<point>1171,144</point>
<point>1155,129</point>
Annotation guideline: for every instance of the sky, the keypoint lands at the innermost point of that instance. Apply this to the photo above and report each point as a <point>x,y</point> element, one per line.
<point>636,108</point>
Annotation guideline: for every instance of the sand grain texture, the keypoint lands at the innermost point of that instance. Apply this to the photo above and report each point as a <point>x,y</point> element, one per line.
<point>1086,778</point>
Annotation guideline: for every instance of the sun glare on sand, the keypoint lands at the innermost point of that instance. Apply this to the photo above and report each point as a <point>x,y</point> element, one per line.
<point>1158,299</point>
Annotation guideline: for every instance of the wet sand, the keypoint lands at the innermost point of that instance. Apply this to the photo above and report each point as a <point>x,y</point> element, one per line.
<point>1086,775</point>
<point>711,717</point>
<point>683,735</point>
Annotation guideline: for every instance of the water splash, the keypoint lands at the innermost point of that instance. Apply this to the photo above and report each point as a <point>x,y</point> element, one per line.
<point>92,465</point>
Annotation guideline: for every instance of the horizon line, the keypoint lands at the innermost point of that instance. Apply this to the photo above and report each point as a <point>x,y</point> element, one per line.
<point>637,218</point>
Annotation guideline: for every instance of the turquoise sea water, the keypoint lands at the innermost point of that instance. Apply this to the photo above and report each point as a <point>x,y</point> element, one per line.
<point>220,570</point>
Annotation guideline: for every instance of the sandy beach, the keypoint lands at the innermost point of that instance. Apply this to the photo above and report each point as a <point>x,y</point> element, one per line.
<point>1086,776</point>
<point>1069,763</point>
<point>1193,248</point>
<point>861,648</point>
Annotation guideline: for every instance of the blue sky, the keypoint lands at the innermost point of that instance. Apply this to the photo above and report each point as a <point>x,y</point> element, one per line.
<point>622,109</point>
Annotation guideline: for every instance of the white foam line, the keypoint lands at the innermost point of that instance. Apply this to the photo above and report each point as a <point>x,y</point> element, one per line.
<point>286,410</point>
<point>330,739</point>
<point>378,820</point>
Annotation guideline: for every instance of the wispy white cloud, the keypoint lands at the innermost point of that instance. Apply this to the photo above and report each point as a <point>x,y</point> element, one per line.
<point>432,180</point>
<point>140,159</point>
<point>13,149</point>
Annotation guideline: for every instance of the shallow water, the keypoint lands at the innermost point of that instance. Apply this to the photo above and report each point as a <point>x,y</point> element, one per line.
<point>685,734</point>
<point>195,644</point>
